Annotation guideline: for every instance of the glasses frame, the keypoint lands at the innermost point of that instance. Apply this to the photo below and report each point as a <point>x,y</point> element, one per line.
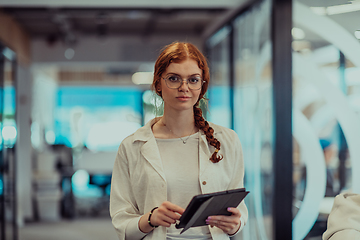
<point>183,80</point>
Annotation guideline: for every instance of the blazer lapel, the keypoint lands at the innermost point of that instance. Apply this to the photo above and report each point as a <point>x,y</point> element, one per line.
<point>150,152</point>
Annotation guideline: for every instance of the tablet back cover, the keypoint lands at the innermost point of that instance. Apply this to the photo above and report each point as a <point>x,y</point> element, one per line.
<point>210,205</point>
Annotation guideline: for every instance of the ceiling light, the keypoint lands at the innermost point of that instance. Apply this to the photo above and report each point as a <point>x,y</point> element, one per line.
<point>357,34</point>
<point>142,78</point>
<point>337,9</point>
<point>297,33</point>
<point>319,10</point>
<point>345,8</point>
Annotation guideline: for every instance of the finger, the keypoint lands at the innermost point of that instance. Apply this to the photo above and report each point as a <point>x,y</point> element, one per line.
<point>223,220</point>
<point>224,226</point>
<point>163,220</point>
<point>174,207</point>
<point>169,213</point>
<point>167,219</point>
<point>234,211</point>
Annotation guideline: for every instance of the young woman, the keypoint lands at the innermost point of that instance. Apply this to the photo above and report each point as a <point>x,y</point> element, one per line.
<point>160,167</point>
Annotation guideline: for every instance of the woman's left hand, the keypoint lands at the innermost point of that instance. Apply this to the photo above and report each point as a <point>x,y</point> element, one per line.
<point>229,224</point>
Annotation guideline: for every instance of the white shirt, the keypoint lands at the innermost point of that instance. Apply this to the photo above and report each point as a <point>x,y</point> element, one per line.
<point>181,166</point>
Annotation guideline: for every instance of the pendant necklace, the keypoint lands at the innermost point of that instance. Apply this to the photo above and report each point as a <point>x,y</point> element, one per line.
<point>183,140</point>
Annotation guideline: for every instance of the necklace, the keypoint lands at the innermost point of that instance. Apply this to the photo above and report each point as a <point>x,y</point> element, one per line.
<point>183,140</point>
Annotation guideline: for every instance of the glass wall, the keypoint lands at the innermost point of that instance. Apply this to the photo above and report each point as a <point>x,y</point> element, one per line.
<point>325,111</point>
<point>220,91</point>
<point>248,98</point>
<point>253,112</point>
<point>326,68</point>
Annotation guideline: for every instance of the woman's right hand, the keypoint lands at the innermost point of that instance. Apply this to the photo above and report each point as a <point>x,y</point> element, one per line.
<point>165,215</point>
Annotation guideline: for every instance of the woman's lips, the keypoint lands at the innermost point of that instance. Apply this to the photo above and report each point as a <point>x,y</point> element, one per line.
<point>183,98</point>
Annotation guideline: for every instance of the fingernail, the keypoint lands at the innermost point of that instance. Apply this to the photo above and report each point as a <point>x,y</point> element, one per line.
<point>228,209</point>
<point>209,218</point>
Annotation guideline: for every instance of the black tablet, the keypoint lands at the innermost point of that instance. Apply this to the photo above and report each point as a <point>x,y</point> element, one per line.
<point>210,204</point>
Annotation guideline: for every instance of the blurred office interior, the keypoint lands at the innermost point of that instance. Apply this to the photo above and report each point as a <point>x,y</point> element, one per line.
<point>75,81</point>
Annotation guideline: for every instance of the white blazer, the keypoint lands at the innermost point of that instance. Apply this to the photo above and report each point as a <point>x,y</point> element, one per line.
<point>344,219</point>
<point>139,184</point>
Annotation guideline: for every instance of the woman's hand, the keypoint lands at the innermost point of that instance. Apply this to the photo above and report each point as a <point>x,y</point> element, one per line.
<point>229,224</point>
<point>165,215</point>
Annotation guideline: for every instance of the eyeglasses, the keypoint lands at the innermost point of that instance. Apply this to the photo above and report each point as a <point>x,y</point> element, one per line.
<point>174,81</point>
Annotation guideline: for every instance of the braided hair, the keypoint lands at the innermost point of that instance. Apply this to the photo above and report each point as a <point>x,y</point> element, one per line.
<point>177,52</point>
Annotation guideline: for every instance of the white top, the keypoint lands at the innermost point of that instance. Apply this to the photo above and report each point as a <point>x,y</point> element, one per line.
<point>181,166</point>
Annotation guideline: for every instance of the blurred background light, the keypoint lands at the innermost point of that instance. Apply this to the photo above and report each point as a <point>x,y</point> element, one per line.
<point>319,10</point>
<point>50,137</point>
<point>109,135</point>
<point>9,133</point>
<point>149,97</point>
<point>297,33</point>
<point>357,34</point>
<point>337,9</point>
<point>142,78</point>
<point>80,179</point>
<point>69,53</point>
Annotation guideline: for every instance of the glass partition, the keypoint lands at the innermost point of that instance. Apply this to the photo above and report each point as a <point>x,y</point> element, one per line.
<point>7,144</point>
<point>253,113</point>
<point>247,98</point>
<point>326,68</point>
<point>220,91</point>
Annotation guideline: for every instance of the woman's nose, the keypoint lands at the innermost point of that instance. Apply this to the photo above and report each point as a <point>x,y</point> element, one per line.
<point>184,85</point>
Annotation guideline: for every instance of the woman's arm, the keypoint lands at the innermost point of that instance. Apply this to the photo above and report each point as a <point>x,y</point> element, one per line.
<point>123,208</point>
<point>165,215</point>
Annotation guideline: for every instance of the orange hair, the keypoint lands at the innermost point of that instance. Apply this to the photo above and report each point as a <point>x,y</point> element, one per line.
<point>177,52</point>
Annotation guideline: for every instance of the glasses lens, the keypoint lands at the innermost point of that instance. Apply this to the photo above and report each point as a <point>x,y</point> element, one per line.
<point>194,83</point>
<point>174,81</point>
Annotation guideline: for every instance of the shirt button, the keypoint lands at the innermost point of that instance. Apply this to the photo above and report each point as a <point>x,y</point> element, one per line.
<point>204,183</point>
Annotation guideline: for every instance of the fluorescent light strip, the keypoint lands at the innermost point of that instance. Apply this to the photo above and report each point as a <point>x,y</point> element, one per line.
<point>338,9</point>
<point>142,78</point>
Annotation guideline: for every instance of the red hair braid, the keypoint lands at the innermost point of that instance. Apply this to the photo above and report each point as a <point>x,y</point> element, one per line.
<point>209,132</point>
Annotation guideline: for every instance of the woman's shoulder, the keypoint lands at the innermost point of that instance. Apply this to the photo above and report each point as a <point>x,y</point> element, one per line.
<point>144,133</point>
<point>221,129</point>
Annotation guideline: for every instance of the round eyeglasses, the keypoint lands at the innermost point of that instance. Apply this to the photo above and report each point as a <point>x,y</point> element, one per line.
<point>175,81</point>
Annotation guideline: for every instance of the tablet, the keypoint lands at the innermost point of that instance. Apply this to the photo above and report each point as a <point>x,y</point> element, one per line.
<point>210,204</point>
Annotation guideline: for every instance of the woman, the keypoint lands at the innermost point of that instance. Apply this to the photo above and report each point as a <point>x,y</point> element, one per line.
<point>160,167</point>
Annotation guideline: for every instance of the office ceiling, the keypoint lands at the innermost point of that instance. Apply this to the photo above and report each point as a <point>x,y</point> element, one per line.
<point>64,19</point>
<point>58,22</point>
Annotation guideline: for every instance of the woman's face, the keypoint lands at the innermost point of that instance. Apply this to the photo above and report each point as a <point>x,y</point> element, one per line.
<point>182,98</point>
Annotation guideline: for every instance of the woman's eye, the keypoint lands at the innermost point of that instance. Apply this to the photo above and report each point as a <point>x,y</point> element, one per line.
<point>193,80</point>
<point>173,78</point>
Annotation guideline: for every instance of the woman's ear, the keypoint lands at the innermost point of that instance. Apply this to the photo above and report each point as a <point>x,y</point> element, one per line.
<point>158,87</point>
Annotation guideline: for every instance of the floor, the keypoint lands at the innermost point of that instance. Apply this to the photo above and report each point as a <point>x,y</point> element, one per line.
<point>78,229</point>
<point>91,228</point>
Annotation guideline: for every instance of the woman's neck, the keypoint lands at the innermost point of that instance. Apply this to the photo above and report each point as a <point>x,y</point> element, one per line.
<point>176,124</point>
